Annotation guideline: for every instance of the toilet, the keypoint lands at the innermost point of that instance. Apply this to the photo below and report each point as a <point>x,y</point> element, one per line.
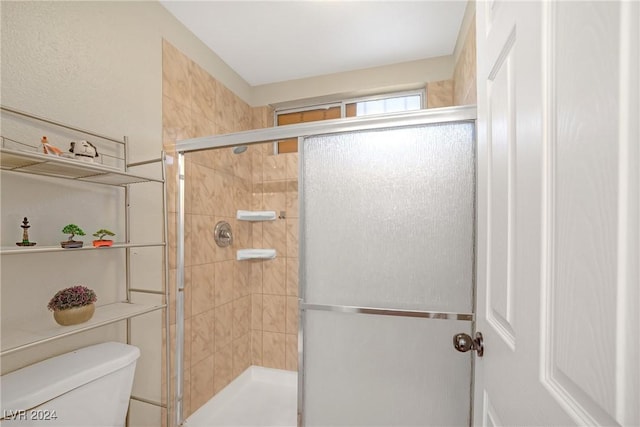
<point>87,387</point>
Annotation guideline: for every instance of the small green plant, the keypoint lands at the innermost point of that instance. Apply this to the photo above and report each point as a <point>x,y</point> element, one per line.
<point>73,230</point>
<point>103,232</point>
<point>75,296</point>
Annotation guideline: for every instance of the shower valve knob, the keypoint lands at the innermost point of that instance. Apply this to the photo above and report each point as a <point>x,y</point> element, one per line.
<point>222,234</point>
<point>463,343</point>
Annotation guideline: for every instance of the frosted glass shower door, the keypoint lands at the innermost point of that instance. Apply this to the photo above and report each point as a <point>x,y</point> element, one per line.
<point>387,231</point>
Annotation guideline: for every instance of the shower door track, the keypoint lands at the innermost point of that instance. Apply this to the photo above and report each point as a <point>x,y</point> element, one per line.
<point>411,118</point>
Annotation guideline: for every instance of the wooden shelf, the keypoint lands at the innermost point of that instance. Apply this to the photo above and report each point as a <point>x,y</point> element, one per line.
<point>60,167</point>
<point>22,335</point>
<point>10,250</point>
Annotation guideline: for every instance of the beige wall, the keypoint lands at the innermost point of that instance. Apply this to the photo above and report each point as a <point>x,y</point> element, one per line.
<point>98,66</point>
<point>339,86</point>
<point>440,94</point>
<point>464,75</point>
<point>274,316</point>
<point>223,297</point>
<point>237,313</point>
<point>461,88</point>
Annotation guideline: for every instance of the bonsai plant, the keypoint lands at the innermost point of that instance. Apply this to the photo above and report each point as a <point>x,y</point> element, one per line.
<point>73,230</point>
<point>73,305</point>
<point>101,241</point>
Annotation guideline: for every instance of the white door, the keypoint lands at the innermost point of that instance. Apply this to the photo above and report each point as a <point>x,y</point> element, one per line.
<point>558,233</point>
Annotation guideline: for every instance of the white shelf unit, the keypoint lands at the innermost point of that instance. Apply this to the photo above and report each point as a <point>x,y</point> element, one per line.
<point>24,158</point>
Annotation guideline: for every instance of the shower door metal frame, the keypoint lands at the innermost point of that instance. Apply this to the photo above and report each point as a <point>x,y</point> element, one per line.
<point>300,131</point>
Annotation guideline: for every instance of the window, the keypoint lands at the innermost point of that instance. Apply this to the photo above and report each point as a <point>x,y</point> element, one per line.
<point>304,116</point>
<point>384,104</point>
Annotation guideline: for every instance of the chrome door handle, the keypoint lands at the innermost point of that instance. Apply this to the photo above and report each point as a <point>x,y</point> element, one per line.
<point>463,343</point>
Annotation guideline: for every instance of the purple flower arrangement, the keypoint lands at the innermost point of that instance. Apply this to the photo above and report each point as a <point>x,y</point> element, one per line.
<point>75,296</point>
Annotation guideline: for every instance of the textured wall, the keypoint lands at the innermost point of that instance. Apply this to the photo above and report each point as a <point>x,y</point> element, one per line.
<point>95,65</point>
<point>440,94</point>
<point>461,89</point>
<point>464,74</point>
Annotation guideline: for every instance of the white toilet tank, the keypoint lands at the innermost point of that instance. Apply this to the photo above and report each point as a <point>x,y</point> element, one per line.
<point>87,387</point>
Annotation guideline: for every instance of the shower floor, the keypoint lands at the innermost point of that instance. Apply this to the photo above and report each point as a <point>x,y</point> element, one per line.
<point>259,397</point>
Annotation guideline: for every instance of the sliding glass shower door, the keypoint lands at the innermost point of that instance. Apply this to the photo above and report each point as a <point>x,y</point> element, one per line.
<point>387,259</point>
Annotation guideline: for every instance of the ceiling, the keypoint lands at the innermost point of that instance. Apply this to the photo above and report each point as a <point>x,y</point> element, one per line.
<point>272,41</point>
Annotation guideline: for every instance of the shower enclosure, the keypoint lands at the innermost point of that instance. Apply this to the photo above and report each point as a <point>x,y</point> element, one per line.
<point>386,266</point>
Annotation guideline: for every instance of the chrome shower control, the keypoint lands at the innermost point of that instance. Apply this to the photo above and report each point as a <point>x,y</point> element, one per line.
<point>463,343</point>
<point>222,234</point>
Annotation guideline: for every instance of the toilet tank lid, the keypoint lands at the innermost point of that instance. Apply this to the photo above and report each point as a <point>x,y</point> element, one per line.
<point>33,385</point>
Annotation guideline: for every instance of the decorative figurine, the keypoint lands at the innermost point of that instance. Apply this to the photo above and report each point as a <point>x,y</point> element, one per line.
<point>25,234</point>
<point>47,148</point>
<point>73,230</point>
<point>101,241</point>
<point>79,150</point>
<point>83,150</point>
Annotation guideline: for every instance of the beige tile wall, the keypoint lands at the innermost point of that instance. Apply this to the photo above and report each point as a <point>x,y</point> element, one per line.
<point>274,315</point>
<point>218,290</point>
<point>461,89</point>
<point>464,74</point>
<point>440,94</point>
